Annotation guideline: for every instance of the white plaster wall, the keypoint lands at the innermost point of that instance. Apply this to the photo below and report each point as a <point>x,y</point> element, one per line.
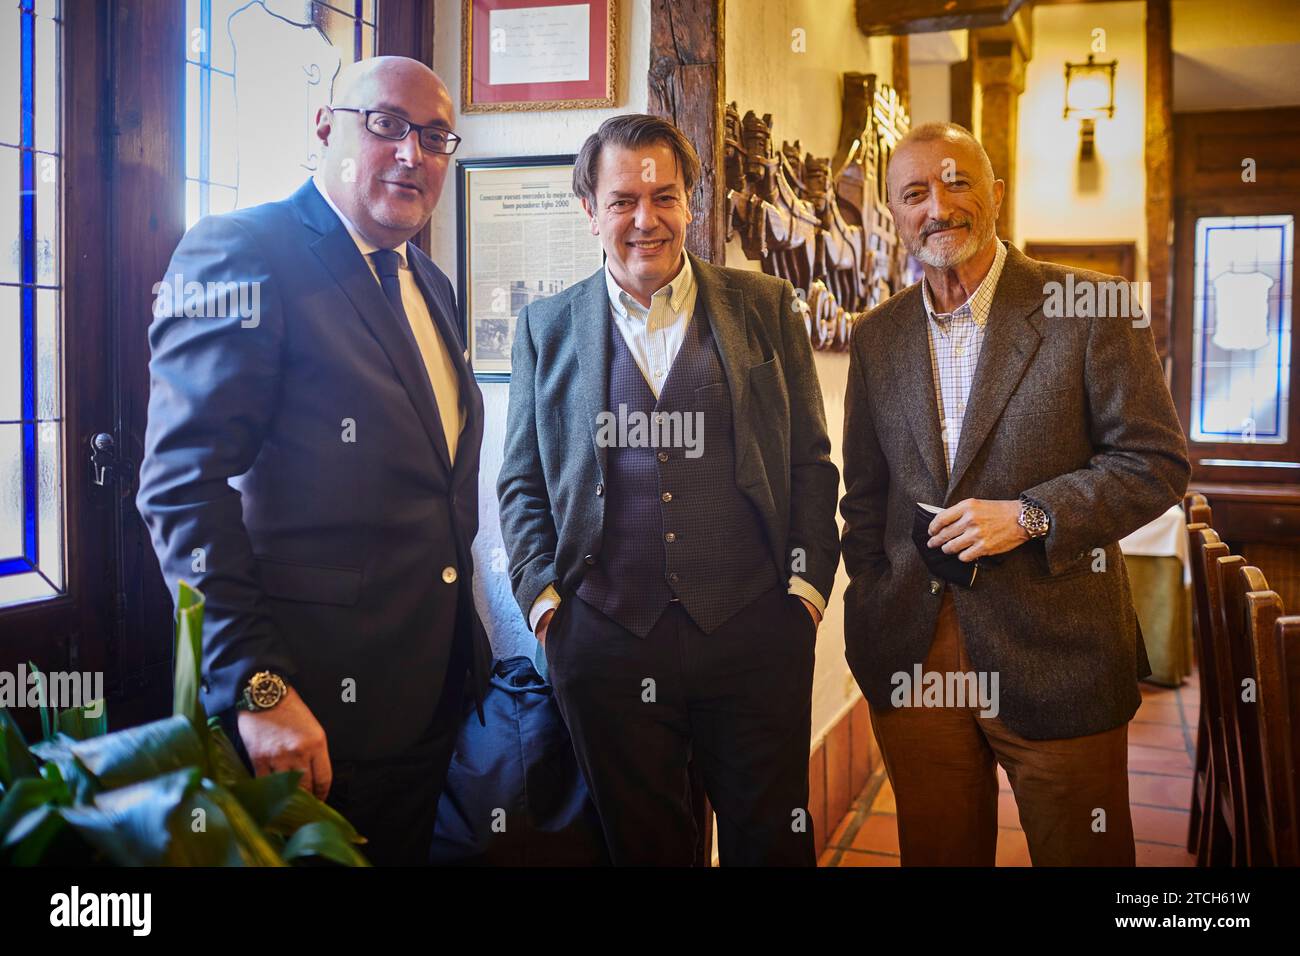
<point>802,92</point>
<point>1054,199</point>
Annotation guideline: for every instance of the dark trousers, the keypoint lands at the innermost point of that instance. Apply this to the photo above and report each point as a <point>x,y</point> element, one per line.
<point>739,701</point>
<point>393,801</point>
<point>1072,793</point>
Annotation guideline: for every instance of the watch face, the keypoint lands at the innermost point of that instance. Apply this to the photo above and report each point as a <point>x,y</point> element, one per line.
<point>265,691</point>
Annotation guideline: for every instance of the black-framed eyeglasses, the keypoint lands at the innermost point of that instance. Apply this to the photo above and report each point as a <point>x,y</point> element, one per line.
<point>433,139</point>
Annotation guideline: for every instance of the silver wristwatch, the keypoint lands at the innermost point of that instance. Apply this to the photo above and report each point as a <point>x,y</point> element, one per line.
<point>1033,518</point>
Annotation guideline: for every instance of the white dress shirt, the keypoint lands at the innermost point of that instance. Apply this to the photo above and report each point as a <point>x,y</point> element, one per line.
<point>433,350</point>
<point>654,336</point>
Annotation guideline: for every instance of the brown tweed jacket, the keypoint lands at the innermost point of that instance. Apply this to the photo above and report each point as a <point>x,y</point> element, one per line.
<point>1073,412</point>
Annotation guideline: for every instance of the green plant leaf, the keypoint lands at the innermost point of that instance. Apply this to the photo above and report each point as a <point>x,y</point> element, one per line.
<point>77,723</point>
<point>188,672</point>
<point>264,797</point>
<point>177,819</point>
<point>323,839</point>
<point>136,825</point>
<point>15,760</point>
<point>58,758</point>
<point>48,725</point>
<point>254,848</point>
<point>140,753</point>
<point>26,844</point>
<point>302,809</point>
<point>25,796</point>
<point>224,765</point>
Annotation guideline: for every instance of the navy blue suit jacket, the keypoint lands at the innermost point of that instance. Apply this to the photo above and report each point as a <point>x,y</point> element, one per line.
<point>296,472</point>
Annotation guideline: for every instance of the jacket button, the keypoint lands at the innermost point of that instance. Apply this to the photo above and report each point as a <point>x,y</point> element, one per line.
<point>662,456</point>
<point>667,496</point>
<point>449,575</point>
<point>600,489</point>
<point>670,537</point>
<point>206,688</point>
<point>590,559</point>
<point>935,586</point>
<point>672,576</point>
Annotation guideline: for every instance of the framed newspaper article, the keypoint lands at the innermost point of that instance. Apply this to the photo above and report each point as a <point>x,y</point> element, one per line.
<point>523,237</point>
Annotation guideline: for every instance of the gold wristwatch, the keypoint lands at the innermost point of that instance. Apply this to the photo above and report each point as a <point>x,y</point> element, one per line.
<point>263,691</point>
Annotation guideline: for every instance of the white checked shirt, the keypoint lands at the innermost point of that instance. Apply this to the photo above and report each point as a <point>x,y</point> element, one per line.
<point>955,340</point>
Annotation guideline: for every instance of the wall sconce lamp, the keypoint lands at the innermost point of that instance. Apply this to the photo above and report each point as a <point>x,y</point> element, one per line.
<point>1089,93</point>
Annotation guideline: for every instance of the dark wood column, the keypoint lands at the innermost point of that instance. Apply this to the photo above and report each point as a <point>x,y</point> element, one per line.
<point>999,55</point>
<point>1159,167</point>
<point>686,86</point>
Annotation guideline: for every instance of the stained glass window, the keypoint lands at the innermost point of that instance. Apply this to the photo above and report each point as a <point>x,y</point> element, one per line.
<point>31,354</point>
<point>256,72</point>
<point>1241,345</point>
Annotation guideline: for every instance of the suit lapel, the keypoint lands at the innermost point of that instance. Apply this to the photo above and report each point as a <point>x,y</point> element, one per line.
<point>443,312</point>
<point>592,325</point>
<point>729,320</point>
<point>344,262</point>
<point>915,372</point>
<point>1010,340</point>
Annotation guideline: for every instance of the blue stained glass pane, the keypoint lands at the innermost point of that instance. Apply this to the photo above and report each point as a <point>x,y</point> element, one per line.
<point>193,121</point>
<point>49,385</point>
<point>10,76</point>
<point>46,84</point>
<point>1241,361</point>
<point>32,558</point>
<point>11,491</point>
<point>223,51</point>
<point>223,127</point>
<point>47,219</point>
<point>11,378</point>
<point>11,232</point>
<point>49,500</point>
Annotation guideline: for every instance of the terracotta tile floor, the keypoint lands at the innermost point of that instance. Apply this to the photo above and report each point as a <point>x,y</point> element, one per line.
<point>1162,750</point>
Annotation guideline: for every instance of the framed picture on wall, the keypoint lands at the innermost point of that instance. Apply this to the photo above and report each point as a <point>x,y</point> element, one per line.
<point>537,55</point>
<point>523,237</point>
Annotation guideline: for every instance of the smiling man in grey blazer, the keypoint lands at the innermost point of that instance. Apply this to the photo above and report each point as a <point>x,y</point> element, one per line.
<point>1043,436</point>
<point>668,503</point>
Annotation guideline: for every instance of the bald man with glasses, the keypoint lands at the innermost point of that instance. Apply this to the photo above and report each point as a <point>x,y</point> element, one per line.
<point>321,452</point>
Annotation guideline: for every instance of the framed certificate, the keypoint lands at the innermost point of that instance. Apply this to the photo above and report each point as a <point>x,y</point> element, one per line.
<point>537,55</point>
<point>523,237</point>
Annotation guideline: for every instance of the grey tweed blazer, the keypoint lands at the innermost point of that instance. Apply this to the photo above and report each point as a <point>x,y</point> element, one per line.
<point>1073,412</point>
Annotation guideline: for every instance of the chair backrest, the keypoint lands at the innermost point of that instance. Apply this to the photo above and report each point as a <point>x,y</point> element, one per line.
<point>1249,612</point>
<point>1286,637</point>
<point>1197,508</point>
<point>1218,688</point>
<point>1201,538</point>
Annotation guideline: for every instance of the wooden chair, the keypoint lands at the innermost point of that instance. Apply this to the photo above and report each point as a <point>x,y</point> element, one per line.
<point>1286,638</point>
<point>1242,713</point>
<point>1197,511</point>
<point>1220,841</point>
<point>1251,612</point>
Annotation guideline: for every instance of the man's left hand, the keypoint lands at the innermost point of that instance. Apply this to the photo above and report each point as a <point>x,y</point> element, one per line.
<point>975,528</point>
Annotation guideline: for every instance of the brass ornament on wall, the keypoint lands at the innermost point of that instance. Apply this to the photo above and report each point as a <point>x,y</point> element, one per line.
<point>829,233</point>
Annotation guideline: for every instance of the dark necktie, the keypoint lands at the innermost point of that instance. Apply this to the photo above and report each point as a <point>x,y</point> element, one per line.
<point>386,262</point>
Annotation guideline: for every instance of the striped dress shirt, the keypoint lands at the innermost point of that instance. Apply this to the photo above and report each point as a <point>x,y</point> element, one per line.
<point>955,340</point>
